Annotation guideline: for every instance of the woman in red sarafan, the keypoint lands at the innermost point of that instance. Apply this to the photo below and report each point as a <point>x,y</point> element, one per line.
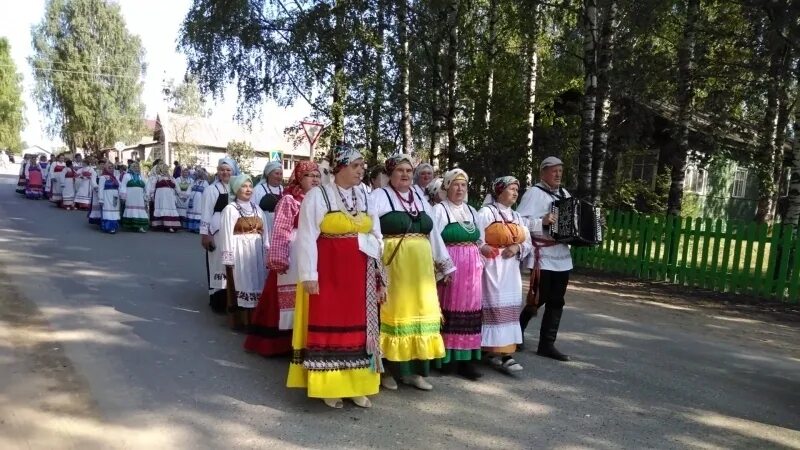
<point>270,331</point>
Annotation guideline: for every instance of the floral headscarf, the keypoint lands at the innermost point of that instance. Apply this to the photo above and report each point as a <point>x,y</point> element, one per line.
<point>452,175</point>
<point>300,170</point>
<point>501,184</point>
<point>343,155</point>
<point>108,170</point>
<point>396,160</point>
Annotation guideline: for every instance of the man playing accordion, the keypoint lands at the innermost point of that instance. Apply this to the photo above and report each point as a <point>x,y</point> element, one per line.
<point>550,262</point>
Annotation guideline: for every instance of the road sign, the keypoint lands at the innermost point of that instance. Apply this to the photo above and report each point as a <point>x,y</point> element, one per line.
<point>276,156</point>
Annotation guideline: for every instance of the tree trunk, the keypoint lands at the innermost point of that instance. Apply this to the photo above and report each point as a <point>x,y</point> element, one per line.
<point>685,97</point>
<point>452,80</point>
<point>793,211</point>
<point>603,105</point>
<point>438,102</point>
<point>339,81</point>
<point>377,101</point>
<point>768,149</point>
<point>403,61</point>
<point>491,52</point>
<point>589,97</point>
<point>532,70</point>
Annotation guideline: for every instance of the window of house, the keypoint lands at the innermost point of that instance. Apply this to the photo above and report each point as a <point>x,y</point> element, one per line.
<point>696,180</point>
<point>203,158</point>
<point>739,188</point>
<point>644,168</point>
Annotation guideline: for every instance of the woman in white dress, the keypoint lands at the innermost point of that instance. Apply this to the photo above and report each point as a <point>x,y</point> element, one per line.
<point>244,239</point>
<point>68,186</point>
<point>86,181</point>
<point>108,197</point>
<point>132,192</point>
<point>165,200</point>
<point>194,206</point>
<point>55,179</point>
<point>215,198</point>
<point>269,190</point>
<point>183,187</point>
<point>506,242</point>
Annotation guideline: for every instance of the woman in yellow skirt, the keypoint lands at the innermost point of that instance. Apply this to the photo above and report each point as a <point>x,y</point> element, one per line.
<point>335,341</point>
<point>415,256</point>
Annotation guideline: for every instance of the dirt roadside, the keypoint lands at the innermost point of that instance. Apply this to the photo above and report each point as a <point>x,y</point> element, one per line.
<point>44,403</point>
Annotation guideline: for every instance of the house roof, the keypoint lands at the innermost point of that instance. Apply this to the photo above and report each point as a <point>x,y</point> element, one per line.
<point>36,150</point>
<point>208,132</point>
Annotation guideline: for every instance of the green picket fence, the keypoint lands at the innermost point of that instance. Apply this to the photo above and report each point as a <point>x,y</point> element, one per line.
<point>723,256</point>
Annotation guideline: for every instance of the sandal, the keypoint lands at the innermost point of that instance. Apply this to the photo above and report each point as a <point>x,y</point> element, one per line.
<point>335,403</point>
<point>362,401</point>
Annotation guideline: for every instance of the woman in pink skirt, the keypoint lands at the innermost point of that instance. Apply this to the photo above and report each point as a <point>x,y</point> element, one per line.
<point>460,296</point>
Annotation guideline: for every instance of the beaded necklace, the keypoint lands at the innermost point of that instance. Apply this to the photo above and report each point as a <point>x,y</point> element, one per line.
<point>352,210</point>
<point>412,209</point>
<point>464,222</point>
<point>248,215</point>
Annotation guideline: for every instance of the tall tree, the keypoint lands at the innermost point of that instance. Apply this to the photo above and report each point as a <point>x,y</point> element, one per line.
<point>685,98</point>
<point>530,31</point>
<point>590,40</point>
<point>605,55</point>
<point>793,209</point>
<point>88,69</point>
<point>11,104</point>
<point>772,130</point>
<point>185,98</point>
<point>403,68</point>
<point>451,78</point>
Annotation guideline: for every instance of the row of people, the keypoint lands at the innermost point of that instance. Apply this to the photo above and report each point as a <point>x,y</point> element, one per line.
<point>380,282</point>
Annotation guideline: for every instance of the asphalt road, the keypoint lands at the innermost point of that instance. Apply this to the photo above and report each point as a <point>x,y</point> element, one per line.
<point>106,341</point>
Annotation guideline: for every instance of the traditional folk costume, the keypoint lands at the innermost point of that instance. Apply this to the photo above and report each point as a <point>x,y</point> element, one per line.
<point>165,199</point>
<point>460,299</point>
<point>95,210</point>
<point>194,206</point>
<point>336,350</point>
<point>56,180</point>
<point>415,256</point>
<point>243,242</point>
<point>550,264</point>
<point>132,192</point>
<point>85,185</point>
<point>34,187</point>
<point>502,282</point>
<point>22,181</point>
<point>271,327</point>
<point>267,196</point>
<point>108,196</point>
<point>44,166</point>
<point>68,188</point>
<point>183,189</point>
<point>215,199</point>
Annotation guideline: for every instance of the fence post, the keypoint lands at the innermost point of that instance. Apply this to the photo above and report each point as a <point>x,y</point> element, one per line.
<point>768,286</point>
<point>794,272</point>
<point>725,273</point>
<point>782,273</point>
<point>745,279</point>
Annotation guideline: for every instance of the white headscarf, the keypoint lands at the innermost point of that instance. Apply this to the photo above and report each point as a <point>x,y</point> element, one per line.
<point>230,162</point>
<point>271,166</point>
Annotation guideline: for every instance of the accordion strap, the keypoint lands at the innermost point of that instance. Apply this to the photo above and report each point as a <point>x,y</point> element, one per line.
<point>532,298</point>
<point>560,195</point>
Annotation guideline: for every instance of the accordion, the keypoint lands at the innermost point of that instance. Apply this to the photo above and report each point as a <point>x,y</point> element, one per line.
<point>577,222</point>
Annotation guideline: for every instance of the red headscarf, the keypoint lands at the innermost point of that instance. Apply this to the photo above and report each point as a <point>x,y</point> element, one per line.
<point>300,170</point>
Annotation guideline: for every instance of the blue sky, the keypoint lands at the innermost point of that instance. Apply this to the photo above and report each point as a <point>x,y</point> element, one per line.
<point>157,23</point>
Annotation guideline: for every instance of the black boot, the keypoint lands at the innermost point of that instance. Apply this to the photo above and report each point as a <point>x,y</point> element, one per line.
<point>467,370</point>
<point>547,335</point>
<point>528,313</point>
<point>218,302</point>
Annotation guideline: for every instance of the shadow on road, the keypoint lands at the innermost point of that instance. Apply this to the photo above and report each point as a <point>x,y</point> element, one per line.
<point>148,366</point>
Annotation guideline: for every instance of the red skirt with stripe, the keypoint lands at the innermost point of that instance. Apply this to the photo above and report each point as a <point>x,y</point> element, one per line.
<point>263,335</point>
